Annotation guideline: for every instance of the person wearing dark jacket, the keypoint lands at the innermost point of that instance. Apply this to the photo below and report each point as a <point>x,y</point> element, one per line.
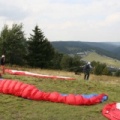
<point>87,69</point>
<point>3,64</point>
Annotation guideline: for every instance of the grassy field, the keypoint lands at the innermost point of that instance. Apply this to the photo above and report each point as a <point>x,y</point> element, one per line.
<point>103,59</point>
<point>17,108</point>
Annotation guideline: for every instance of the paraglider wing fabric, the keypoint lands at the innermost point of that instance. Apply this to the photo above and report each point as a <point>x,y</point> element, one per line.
<point>25,73</point>
<point>28,91</point>
<point>112,111</point>
<point>20,89</point>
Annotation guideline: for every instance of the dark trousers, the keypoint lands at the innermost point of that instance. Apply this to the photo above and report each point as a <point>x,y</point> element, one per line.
<point>86,76</point>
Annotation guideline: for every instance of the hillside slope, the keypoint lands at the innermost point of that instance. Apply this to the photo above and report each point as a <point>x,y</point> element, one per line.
<point>73,47</point>
<point>93,56</point>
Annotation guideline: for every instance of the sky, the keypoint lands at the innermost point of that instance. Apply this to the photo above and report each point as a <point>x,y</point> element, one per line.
<point>65,20</point>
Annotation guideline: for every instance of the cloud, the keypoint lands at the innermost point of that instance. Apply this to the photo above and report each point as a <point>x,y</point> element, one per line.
<point>12,12</point>
<point>85,20</point>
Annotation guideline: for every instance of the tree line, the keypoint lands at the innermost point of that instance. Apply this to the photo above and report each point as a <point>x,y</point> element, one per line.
<point>36,51</point>
<point>103,69</point>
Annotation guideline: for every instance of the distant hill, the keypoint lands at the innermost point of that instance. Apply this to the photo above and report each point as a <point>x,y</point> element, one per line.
<point>115,43</point>
<point>73,47</point>
<point>93,56</point>
<point>103,45</point>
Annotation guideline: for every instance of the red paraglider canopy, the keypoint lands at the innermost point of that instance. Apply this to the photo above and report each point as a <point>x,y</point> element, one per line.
<point>112,111</point>
<point>25,73</point>
<point>28,91</point>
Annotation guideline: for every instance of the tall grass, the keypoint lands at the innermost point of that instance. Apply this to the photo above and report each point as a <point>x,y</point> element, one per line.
<point>17,108</point>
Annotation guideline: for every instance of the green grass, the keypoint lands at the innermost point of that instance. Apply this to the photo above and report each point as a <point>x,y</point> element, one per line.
<point>17,108</point>
<point>93,56</point>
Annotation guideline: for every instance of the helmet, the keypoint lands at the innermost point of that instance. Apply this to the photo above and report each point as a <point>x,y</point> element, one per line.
<point>89,63</point>
<point>3,56</point>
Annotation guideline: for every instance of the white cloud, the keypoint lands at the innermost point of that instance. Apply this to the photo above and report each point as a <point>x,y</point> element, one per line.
<point>95,20</point>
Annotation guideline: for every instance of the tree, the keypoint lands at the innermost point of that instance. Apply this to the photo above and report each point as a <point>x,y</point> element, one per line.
<point>76,61</point>
<point>66,61</point>
<point>70,63</point>
<point>105,71</point>
<point>117,73</point>
<point>3,39</point>
<point>40,51</point>
<point>13,44</point>
<point>99,67</point>
<point>55,63</point>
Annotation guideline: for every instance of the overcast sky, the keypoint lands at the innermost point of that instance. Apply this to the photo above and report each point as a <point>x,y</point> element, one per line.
<point>78,20</point>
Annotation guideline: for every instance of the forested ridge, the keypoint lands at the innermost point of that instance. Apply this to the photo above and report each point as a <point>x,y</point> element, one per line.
<point>73,47</point>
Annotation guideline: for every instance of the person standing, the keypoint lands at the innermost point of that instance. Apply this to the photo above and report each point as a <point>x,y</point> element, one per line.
<point>87,69</point>
<point>3,64</point>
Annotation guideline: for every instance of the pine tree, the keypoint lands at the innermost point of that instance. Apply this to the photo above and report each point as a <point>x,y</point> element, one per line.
<point>40,51</point>
<point>13,44</point>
